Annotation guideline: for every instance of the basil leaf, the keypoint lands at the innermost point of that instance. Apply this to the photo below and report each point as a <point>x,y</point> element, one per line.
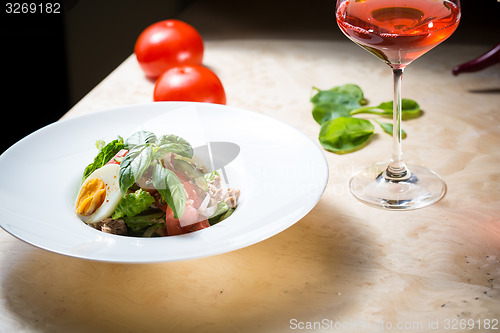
<point>173,144</point>
<point>140,138</point>
<point>336,102</point>
<point>388,128</point>
<point>165,139</point>
<point>171,189</point>
<point>106,152</point>
<point>133,166</point>
<point>345,134</point>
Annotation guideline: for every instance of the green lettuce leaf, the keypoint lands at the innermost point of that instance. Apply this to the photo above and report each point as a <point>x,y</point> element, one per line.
<point>221,213</point>
<point>133,204</point>
<point>138,223</point>
<point>106,152</point>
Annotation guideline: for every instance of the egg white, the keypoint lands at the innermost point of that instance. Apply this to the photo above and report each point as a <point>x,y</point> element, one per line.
<point>109,175</point>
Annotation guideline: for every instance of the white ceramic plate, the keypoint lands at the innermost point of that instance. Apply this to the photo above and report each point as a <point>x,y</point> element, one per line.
<point>280,172</point>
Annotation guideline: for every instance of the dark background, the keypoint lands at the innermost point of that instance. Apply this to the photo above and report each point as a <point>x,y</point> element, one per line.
<point>50,61</point>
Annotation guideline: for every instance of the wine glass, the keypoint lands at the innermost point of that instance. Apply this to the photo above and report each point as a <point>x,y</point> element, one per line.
<point>397,32</point>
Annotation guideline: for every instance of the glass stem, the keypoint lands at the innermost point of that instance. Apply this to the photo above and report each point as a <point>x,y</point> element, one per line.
<point>397,168</point>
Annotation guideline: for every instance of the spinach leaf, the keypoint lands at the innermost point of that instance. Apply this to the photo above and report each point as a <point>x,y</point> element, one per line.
<point>170,188</point>
<point>351,90</point>
<point>388,128</point>
<point>409,109</point>
<point>336,102</point>
<point>345,134</point>
<point>324,112</point>
<point>106,152</point>
<point>333,109</point>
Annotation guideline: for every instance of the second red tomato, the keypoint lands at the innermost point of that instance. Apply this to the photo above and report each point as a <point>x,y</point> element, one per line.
<point>189,83</point>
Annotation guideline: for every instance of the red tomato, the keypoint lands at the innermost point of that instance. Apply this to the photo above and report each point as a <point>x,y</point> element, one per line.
<point>166,44</point>
<point>189,83</point>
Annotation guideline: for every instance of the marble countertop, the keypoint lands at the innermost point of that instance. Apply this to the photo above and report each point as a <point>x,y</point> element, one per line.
<point>345,266</point>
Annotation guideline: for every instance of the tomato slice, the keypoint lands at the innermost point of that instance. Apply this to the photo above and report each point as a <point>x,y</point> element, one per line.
<point>196,226</point>
<point>117,159</point>
<point>174,226</point>
<point>189,221</point>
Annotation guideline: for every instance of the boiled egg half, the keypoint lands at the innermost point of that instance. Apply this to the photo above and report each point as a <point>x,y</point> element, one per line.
<point>99,194</point>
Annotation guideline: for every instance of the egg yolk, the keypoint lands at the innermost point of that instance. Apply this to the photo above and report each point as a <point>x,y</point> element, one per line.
<point>91,197</point>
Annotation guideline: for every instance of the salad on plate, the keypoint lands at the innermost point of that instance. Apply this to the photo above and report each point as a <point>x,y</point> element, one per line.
<point>149,186</point>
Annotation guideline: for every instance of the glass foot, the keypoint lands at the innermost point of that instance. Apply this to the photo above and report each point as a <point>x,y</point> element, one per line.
<point>422,187</point>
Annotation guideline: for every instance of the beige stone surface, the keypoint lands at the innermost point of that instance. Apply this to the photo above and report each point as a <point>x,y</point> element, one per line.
<point>345,263</point>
